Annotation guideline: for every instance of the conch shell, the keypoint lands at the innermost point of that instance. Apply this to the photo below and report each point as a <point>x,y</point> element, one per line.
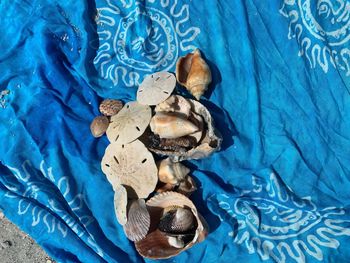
<point>193,72</point>
<point>157,244</point>
<point>171,173</point>
<point>171,126</point>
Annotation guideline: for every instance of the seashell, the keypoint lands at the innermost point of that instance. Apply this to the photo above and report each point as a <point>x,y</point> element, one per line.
<point>210,142</point>
<point>170,172</point>
<point>177,221</point>
<point>198,121</point>
<point>129,124</point>
<point>110,107</point>
<point>156,88</point>
<point>120,203</point>
<point>131,165</point>
<point>194,73</point>
<point>176,104</point>
<point>139,221</point>
<point>187,186</point>
<point>156,244</point>
<point>164,187</point>
<point>99,126</point>
<point>171,126</point>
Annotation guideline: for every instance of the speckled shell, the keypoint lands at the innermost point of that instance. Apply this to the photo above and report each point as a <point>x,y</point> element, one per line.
<point>110,107</point>
<point>156,245</point>
<point>99,126</point>
<point>209,144</point>
<point>138,221</point>
<point>194,73</point>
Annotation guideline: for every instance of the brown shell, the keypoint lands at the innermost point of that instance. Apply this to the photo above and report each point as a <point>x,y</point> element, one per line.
<point>138,222</point>
<point>193,73</point>
<point>99,126</point>
<point>131,165</point>
<point>110,107</point>
<point>155,245</point>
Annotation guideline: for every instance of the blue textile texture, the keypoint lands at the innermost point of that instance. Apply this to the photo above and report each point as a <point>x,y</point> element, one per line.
<point>278,191</point>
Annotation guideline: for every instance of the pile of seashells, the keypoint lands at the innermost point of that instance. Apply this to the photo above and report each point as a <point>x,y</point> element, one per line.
<point>168,125</point>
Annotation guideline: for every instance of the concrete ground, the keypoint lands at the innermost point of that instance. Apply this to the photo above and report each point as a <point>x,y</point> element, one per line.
<point>17,247</point>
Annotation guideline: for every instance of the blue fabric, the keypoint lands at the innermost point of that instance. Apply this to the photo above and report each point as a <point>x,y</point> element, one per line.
<point>278,191</point>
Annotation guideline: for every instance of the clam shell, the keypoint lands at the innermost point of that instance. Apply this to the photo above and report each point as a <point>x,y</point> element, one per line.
<point>171,126</point>
<point>129,124</point>
<point>156,88</point>
<point>156,244</point>
<point>110,107</point>
<point>131,165</point>
<point>209,144</point>
<point>99,126</point>
<point>177,104</point>
<point>139,221</point>
<point>177,221</point>
<point>170,172</point>
<point>120,203</point>
<point>194,73</point>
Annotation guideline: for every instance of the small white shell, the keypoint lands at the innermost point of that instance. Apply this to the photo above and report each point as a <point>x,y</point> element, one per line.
<point>120,203</point>
<point>156,88</point>
<point>177,104</point>
<point>170,172</point>
<point>171,126</point>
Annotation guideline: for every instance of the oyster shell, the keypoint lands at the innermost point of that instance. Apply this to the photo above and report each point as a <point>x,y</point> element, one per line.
<point>171,126</point>
<point>120,203</point>
<point>156,88</point>
<point>156,244</point>
<point>139,221</point>
<point>129,124</point>
<point>194,73</point>
<point>131,165</point>
<point>170,172</point>
<point>210,143</point>
<point>176,104</point>
<point>99,126</point>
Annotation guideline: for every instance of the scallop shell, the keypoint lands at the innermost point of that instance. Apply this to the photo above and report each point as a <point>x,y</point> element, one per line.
<point>120,203</point>
<point>129,124</point>
<point>110,107</point>
<point>171,126</point>
<point>170,172</point>
<point>139,221</point>
<point>156,244</point>
<point>131,165</point>
<point>156,88</point>
<point>99,126</point>
<point>177,104</point>
<point>187,186</point>
<point>209,144</point>
<point>177,221</point>
<point>194,73</point>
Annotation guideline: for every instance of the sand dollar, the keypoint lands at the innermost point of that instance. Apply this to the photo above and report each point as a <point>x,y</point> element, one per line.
<point>131,165</point>
<point>156,88</point>
<point>129,124</point>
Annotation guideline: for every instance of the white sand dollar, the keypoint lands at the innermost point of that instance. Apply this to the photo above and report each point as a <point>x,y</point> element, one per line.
<point>120,203</point>
<point>131,165</point>
<point>156,88</point>
<point>129,124</point>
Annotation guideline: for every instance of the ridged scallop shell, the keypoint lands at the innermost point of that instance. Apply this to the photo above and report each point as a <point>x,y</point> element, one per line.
<point>129,124</point>
<point>156,244</point>
<point>176,104</point>
<point>177,221</point>
<point>138,222</point>
<point>209,144</point>
<point>120,203</point>
<point>99,126</point>
<point>131,165</point>
<point>171,126</point>
<point>156,88</point>
<point>170,172</point>
<point>194,73</point>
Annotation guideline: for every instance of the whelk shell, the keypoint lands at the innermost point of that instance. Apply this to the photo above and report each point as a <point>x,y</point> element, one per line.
<point>194,73</point>
<point>139,221</point>
<point>170,172</point>
<point>171,126</point>
<point>177,104</point>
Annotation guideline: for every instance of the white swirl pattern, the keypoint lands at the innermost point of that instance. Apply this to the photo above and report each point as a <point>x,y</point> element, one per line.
<point>271,221</point>
<point>322,30</point>
<point>149,38</point>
